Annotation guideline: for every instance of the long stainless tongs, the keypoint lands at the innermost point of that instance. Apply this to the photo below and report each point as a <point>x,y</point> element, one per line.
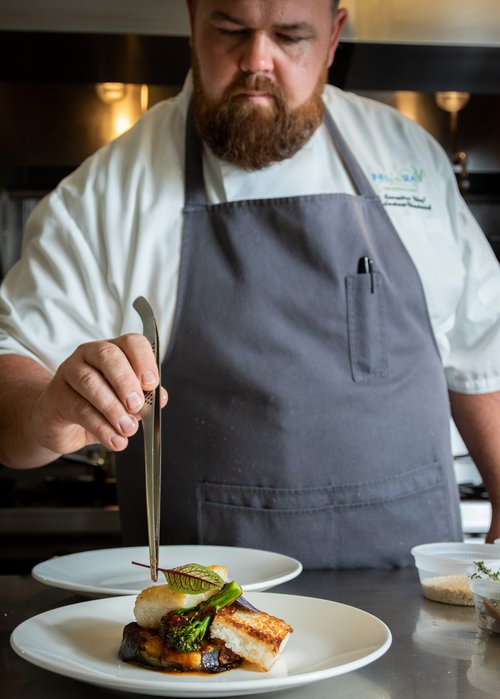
<point>151,424</point>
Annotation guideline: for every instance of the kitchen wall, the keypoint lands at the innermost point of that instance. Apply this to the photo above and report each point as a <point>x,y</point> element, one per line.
<point>72,121</point>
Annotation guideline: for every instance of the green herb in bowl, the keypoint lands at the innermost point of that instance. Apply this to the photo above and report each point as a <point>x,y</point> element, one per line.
<point>481,567</point>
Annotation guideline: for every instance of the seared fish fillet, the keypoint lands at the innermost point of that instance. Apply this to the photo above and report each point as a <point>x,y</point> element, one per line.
<point>156,601</point>
<point>145,647</point>
<point>256,636</point>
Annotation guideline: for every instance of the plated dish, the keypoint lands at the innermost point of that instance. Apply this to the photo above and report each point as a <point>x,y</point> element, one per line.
<point>81,641</point>
<point>110,571</point>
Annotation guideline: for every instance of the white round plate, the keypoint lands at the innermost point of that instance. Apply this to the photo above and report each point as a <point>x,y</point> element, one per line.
<point>81,641</point>
<point>110,571</point>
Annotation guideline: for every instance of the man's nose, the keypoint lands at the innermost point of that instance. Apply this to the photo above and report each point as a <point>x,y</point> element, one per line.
<point>257,56</point>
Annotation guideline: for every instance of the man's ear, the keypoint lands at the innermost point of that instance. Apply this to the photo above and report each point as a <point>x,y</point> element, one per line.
<point>191,6</point>
<point>340,20</point>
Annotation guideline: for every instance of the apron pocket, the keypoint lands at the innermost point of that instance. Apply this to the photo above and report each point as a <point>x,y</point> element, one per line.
<point>275,519</point>
<point>366,320</point>
<point>371,524</point>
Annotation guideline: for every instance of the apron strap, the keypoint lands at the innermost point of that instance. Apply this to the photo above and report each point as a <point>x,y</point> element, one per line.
<point>193,178</point>
<point>358,177</point>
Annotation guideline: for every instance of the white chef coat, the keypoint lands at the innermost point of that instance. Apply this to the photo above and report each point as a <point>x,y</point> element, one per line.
<point>112,231</point>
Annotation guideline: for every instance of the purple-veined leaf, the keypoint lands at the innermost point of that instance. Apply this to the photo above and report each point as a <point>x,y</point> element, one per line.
<point>191,578</point>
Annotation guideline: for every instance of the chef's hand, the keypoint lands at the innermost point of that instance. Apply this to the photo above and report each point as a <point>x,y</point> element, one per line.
<point>494,532</point>
<point>96,395</point>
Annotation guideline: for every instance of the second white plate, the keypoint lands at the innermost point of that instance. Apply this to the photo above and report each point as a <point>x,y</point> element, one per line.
<point>110,571</point>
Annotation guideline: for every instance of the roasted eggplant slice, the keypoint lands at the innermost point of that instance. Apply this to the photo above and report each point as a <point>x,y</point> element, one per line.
<point>145,647</point>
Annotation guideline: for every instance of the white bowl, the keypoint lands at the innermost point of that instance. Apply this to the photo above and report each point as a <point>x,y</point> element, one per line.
<point>486,594</point>
<point>442,569</point>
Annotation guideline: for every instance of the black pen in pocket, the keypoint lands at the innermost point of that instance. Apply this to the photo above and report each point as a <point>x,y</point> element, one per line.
<point>365,266</point>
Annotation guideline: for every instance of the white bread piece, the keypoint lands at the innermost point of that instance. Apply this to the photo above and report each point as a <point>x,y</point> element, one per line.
<point>255,636</point>
<point>156,601</point>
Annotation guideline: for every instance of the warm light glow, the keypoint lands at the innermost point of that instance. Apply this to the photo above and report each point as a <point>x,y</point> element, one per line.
<point>125,105</point>
<point>121,123</point>
<point>111,92</point>
<point>144,98</point>
<point>407,104</point>
<point>452,101</point>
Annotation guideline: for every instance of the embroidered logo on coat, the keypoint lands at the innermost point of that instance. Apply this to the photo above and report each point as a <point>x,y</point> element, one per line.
<point>402,188</point>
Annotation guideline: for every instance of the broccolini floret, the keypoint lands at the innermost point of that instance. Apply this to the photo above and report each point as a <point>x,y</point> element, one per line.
<point>185,629</point>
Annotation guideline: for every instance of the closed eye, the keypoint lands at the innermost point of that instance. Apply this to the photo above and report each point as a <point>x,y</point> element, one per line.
<point>289,38</point>
<point>225,31</point>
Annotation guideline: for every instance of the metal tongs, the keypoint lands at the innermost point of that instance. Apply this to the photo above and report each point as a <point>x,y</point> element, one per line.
<point>151,425</point>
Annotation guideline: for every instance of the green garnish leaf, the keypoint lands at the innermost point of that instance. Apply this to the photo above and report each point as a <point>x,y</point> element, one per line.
<point>482,568</point>
<point>192,578</point>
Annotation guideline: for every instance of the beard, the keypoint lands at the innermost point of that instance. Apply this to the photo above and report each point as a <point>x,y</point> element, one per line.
<point>252,136</point>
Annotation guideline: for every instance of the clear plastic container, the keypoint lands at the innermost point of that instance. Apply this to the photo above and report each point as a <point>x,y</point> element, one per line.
<point>442,569</point>
<point>486,594</point>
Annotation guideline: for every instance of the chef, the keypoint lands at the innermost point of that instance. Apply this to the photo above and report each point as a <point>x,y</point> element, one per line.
<point>323,296</point>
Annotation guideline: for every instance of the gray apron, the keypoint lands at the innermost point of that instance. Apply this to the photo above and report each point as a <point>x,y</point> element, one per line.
<point>308,408</point>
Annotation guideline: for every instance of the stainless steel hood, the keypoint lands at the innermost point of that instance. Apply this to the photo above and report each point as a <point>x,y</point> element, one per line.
<point>160,17</point>
<point>456,22</point>
<point>459,22</point>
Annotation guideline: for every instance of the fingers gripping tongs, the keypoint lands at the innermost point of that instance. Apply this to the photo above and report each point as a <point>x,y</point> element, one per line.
<point>151,424</point>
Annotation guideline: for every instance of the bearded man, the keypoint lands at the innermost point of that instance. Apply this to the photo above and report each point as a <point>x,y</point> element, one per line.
<point>287,236</point>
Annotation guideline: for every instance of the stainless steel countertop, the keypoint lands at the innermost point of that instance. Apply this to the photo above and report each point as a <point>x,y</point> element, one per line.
<point>437,651</point>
